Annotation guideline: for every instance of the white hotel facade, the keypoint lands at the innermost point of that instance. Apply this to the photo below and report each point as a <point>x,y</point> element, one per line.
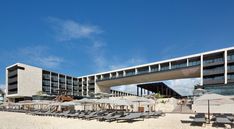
<point>214,68</point>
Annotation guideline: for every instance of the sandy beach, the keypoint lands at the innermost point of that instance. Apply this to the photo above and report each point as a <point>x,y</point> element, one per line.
<point>10,120</point>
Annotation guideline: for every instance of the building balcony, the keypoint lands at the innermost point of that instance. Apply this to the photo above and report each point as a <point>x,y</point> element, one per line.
<point>46,76</point>
<point>47,83</point>
<point>230,70</point>
<point>213,72</point>
<point>75,83</point>
<point>69,82</point>
<point>11,87</point>
<point>85,82</point>
<point>213,63</point>
<point>213,81</point>
<point>54,84</point>
<point>13,73</point>
<point>230,61</point>
<point>230,80</point>
<point>55,79</point>
<point>91,81</point>
<point>12,92</point>
<point>91,86</point>
<point>142,72</point>
<point>12,80</point>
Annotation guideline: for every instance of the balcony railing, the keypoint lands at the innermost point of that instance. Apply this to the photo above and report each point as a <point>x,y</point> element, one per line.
<point>217,61</point>
<point>213,71</point>
<point>12,80</point>
<point>54,79</point>
<point>10,87</point>
<point>46,76</point>
<point>143,72</point>
<point>47,83</point>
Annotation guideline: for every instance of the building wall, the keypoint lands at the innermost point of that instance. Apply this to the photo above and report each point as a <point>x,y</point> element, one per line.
<point>29,81</point>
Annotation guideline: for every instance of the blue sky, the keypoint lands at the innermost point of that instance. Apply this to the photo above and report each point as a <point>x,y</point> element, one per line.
<point>83,37</point>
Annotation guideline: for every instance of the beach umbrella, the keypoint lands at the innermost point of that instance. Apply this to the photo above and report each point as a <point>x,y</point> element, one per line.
<point>122,102</point>
<point>68,103</point>
<point>142,100</point>
<point>86,101</point>
<point>212,99</point>
<point>104,100</point>
<point>102,94</point>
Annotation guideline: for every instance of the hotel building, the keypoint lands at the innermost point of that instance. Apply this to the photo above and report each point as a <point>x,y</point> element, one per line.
<point>214,68</point>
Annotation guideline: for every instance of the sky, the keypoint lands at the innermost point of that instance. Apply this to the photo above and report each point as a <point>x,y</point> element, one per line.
<point>80,37</point>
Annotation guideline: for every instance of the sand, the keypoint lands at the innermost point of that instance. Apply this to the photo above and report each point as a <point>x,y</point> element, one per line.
<point>10,120</point>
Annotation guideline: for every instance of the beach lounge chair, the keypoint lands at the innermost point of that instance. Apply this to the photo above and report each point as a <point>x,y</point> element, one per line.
<point>222,120</point>
<point>229,116</point>
<point>104,117</point>
<point>113,118</point>
<point>130,117</point>
<point>90,115</point>
<point>199,119</point>
<point>83,114</point>
<point>74,115</point>
<point>62,114</point>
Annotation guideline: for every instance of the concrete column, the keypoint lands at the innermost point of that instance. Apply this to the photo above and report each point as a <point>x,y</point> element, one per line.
<point>50,83</point>
<point>110,75</point>
<point>117,74</point>
<point>225,67</point>
<point>149,69</point>
<point>82,88</point>
<point>87,87</point>
<point>137,91</point>
<point>201,72</point>
<point>58,82</point>
<point>187,62</point>
<point>136,71</point>
<point>65,82</point>
<point>124,73</point>
<point>72,86</point>
<point>159,67</point>
<point>169,65</point>
<point>141,91</point>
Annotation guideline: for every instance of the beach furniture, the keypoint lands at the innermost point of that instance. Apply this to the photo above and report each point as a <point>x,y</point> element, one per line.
<point>90,115</point>
<point>223,120</point>
<point>130,117</point>
<point>105,117</point>
<point>74,115</point>
<point>199,119</point>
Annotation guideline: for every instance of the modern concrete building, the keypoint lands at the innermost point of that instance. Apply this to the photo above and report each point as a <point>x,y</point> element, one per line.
<point>2,96</point>
<point>214,68</point>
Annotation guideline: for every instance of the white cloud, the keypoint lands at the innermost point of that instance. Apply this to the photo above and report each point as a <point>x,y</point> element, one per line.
<point>126,88</point>
<point>39,55</point>
<point>66,30</point>
<point>183,86</point>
